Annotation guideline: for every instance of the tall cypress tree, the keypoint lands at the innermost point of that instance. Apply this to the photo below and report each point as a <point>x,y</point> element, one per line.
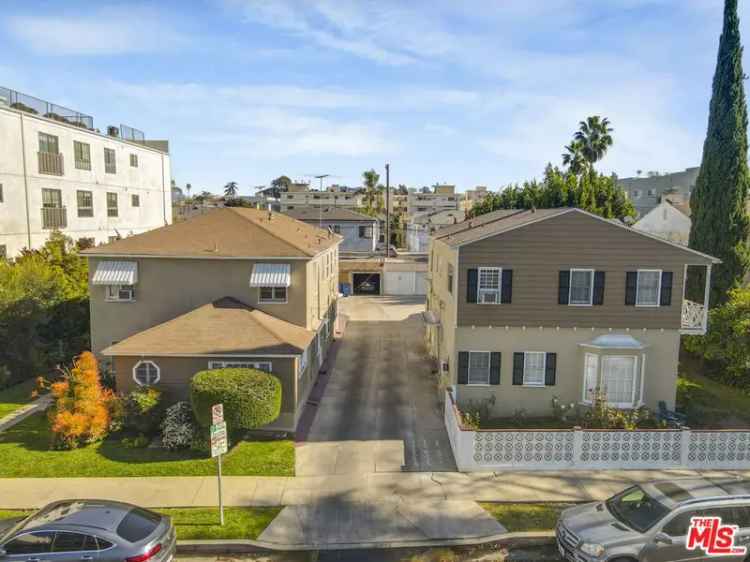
<point>719,215</point>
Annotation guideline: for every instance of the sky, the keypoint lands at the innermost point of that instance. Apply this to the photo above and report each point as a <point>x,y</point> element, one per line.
<point>467,93</point>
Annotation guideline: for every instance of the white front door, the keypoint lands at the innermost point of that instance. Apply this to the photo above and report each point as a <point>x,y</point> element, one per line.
<point>618,379</point>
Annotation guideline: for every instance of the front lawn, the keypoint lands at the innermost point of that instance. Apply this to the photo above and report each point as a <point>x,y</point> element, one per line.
<point>518,517</point>
<point>711,404</point>
<point>25,453</point>
<point>202,523</point>
<point>15,396</point>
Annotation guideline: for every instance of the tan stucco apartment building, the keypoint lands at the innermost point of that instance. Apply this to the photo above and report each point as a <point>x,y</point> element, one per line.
<point>234,287</point>
<point>529,305</point>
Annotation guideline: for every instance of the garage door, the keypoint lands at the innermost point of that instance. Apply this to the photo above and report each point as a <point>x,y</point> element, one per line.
<point>366,283</point>
<point>400,283</point>
<point>421,282</point>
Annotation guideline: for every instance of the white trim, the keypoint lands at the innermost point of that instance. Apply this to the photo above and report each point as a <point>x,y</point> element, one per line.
<point>658,288</point>
<point>240,364</point>
<point>631,404</point>
<point>570,287</point>
<point>489,369</point>
<point>499,290</point>
<point>149,362</point>
<point>109,298</point>
<point>544,370</point>
<point>643,378</point>
<point>130,354</point>
<point>597,356</point>
<point>597,217</point>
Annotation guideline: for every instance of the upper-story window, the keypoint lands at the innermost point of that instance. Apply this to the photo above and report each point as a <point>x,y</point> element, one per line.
<point>649,284</point>
<point>272,295</point>
<point>119,293</point>
<point>110,161</point>
<point>50,158</point>
<point>489,285</point>
<point>1,193</point>
<point>636,193</point>
<point>82,155</point>
<point>652,193</point>
<point>48,144</point>
<point>133,160</point>
<point>85,201</point>
<point>450,278</point>
<point>581,286</point>
<point>135,200</point>
<point>112,209</point>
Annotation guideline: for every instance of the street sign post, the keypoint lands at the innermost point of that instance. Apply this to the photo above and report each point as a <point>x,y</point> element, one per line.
<point>219,446</point>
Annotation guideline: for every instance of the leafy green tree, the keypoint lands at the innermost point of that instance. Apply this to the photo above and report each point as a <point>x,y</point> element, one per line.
<point>231,190</point>
<point>720,225</point>
<point>281,183</point>
<point>373,196</point>
<point>573,158</point>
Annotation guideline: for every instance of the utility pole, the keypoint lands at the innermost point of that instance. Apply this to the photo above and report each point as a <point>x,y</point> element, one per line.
<point>387,210</point>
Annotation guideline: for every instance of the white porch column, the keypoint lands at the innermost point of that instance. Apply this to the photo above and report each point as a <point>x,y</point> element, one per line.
<point>706,297</point>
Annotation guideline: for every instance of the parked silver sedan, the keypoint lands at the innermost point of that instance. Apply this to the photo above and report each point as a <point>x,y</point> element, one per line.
<point>89,531</point>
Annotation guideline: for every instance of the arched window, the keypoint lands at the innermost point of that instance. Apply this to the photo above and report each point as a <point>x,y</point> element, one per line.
<point>146,373</point>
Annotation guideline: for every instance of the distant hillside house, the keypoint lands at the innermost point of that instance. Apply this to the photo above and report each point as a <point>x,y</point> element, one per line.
<point>647,192</point>
<point>360,232</point>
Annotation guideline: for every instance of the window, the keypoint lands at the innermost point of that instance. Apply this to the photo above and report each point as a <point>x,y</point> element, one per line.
<point>51,198</point>
<point>618,379</point>
<point>450,278</point>
<point>85,200</point>
<point>3,252</point>
<point>72,542</point>
<point>489,285</point>
<point>652,193</point>
<point>120,293</point>
<point>636,194</point>
<point>133,160</point>
<point>48,144</point>
<point>581,286</point>
<point>39,542</point>
<point>146,373</point>
<point>303,360</point>
<point>272,294</point>
<point>534,366</point>
<point>260,365</point>
<point>135,200</point>
<point>110,161</point>
<point>337,228</point>
<point>648,287</point>
<point>1,193</point>
<point>112,210</point>
<point>82,152</point>
<point>479,367</point>
<point>365,232</point>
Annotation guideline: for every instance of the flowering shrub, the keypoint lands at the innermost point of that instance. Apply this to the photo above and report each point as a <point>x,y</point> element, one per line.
<point>83,411</point>
<point>178,427</point>
<point>143,410</point>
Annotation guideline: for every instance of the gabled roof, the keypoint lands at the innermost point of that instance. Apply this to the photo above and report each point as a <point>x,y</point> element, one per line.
<point>499,222</point>
<point>336,214</point>
<point>229,232</point>
<point>223,327</point>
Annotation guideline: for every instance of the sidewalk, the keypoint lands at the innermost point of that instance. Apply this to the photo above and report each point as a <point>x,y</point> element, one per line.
<point>17,416</point>
<point>530,486</point>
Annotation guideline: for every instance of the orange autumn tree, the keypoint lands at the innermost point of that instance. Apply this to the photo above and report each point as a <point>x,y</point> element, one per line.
<point>83,410</point>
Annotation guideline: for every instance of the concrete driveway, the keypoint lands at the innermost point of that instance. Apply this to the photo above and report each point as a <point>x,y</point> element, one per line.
<point>379,411</point>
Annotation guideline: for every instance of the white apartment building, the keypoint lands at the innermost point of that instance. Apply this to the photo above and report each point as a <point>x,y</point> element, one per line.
<point>442,198</point>
<point>57,173</point>
<point>300,196</point>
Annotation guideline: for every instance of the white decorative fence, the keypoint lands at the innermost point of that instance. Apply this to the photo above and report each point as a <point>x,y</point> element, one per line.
<point>560,449</point>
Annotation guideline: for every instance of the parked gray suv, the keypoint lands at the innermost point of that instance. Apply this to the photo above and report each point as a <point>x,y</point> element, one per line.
<point>89,531</point>
<point>649,522</point>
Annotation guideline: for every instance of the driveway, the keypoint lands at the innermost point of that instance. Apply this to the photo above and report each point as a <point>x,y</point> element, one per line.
<point>379,411</point>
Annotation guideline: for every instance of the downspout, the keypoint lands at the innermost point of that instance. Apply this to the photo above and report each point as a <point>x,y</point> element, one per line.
<point>25,182</point>
<point>163,193</point>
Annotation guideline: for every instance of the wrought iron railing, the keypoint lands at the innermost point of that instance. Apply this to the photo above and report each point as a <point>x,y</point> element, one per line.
<point>693,316</point>
<point>51,163</point>
<point>54,218</point>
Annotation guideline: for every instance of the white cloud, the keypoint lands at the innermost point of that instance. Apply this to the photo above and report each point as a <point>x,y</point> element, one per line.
<point>112,30</point>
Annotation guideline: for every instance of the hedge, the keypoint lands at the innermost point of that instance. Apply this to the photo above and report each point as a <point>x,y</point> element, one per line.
<point>251,398</point>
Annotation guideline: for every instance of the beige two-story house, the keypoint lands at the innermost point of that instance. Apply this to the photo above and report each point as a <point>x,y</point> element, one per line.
<point>528,305</point>
<point>234,287</point>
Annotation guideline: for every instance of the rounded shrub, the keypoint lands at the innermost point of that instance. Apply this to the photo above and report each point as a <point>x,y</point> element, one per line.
<point>251,398</point>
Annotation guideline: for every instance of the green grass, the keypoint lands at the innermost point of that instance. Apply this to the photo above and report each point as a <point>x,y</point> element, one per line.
<point>202,523</point>
<point>25,453</point>
<point>517,517</point>
<point>15,396</point>
<point>709,403</point>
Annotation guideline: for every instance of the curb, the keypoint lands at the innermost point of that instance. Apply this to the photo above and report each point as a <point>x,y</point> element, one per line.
<point>243,546</point>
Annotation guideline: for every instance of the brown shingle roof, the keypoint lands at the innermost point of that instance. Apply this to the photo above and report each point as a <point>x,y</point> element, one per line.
<point>311,214</point>
<point>226,232</point>
<point>493,223</point>
<point>223,327</point>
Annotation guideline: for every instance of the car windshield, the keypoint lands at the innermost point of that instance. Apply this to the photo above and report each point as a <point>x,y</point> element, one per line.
<point>138,524</point>
<point>636,509</point>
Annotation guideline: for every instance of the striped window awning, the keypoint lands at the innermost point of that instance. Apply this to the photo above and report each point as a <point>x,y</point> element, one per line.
<point>271,275</point>
<point>116,273</point>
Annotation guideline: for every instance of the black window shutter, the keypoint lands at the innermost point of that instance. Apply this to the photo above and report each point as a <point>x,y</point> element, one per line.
<point>563,293</point>
<point>506,296</point>
<point>495,357</point>
<point>631,286</point>
<point>551,370</point>
<point>463,367</point>
<point>518,368</point>
<point>598,287</point>
<point>666,288</point>
<point>472,280</point>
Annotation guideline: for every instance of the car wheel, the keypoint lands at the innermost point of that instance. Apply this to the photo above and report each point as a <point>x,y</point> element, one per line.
<point>624,560</point>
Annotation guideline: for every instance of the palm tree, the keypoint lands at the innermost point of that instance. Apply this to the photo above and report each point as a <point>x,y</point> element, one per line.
<point>573,158</point>
<point>372,194</point>
<point>594,138</point>
<point>231,189</point>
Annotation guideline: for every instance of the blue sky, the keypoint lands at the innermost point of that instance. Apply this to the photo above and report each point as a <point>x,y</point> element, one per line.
<point>471,93</point>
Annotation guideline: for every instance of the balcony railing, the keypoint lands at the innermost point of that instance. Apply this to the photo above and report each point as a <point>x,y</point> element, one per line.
<point>51,163</point>
<point>54,218</point>
<point>693,317</point>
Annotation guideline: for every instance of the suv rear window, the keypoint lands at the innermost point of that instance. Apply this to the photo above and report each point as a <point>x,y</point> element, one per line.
<point>138,524</point>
